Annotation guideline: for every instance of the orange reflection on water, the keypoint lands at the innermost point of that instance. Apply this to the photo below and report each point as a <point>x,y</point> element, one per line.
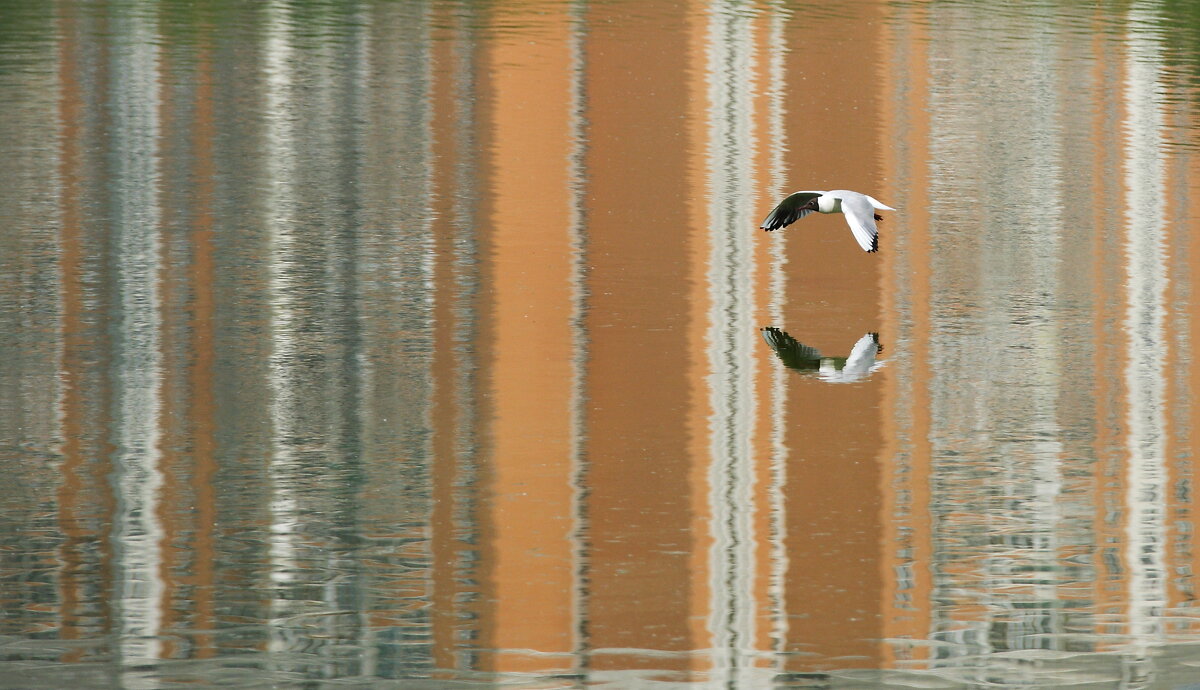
<point>530,352</point>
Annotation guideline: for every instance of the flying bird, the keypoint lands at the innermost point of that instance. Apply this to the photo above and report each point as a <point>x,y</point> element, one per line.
<point>855,206</point>
<point>858,365</point>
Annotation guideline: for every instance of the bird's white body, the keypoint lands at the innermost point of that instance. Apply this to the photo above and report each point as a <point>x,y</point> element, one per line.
<point>829,204</point>
<point>859,365</point>
<point>855,206</point>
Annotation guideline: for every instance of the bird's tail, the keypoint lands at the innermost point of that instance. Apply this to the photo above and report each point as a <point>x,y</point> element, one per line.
<point>878,204</point>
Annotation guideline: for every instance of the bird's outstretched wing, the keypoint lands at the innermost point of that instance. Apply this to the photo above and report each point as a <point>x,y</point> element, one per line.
<point>861,219</point>
<point>793,353</point>
<point>862,357</point>
<point>788,211</point>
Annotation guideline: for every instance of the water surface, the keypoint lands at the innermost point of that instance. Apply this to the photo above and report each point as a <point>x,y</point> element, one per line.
<point>422,343</point>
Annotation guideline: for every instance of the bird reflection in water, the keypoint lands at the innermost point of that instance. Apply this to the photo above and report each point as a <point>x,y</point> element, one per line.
<point>859,365</point>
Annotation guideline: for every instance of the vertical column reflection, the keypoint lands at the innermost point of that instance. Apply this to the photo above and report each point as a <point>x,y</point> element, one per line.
<point>457,412</point>
<point>137,477</point>
<point>1145,324</point>
<point>576,226</point>
<point>908,379</point>
<point>775,149</point>
<point>84,510</point>
<point>390,249</point>
<point>282,259</point>
<point>731,329</point>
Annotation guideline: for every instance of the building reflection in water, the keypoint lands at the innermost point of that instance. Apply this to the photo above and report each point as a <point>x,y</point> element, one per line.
<point>421,340</point>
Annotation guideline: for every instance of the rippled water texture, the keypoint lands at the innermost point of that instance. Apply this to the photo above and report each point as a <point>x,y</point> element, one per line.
<point>435,345</point>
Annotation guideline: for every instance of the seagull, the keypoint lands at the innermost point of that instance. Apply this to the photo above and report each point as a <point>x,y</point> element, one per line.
<point>855,206</point>
<point>796,355</point>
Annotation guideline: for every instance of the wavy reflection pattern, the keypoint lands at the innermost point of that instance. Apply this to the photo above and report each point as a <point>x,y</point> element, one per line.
<point>422,341</point>
<point>1147,484</point>
<point>137,477</point>
<point>731,272</point>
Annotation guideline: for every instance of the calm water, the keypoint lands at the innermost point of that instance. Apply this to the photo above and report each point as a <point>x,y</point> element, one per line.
<point>422,344</point>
